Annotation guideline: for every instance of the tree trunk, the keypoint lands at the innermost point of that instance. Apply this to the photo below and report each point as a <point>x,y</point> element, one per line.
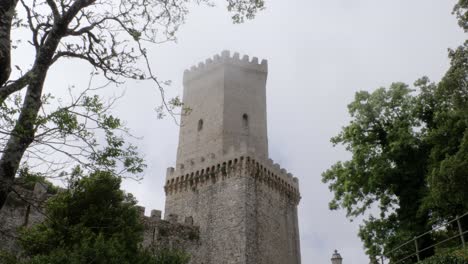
<point>23,132</point>
<point>21,137</point>
<point>7,10</point>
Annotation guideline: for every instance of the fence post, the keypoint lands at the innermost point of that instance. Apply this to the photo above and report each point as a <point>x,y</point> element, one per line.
<point>460,230</point>
<point>417,249</point>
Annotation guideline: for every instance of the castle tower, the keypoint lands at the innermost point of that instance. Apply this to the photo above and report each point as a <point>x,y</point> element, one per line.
<point>244,204</point>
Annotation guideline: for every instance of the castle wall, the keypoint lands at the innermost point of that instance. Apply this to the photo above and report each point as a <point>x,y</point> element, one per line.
<point>245,94</point>
<point>22,208</point>
<point>245,206</point>
<point>272,227</point>
<point>217,204</point>
<point>204,97</point>
<point>220,93</point>
<point>170,234</point>
<point>246,211</point>
<point>25,208</point>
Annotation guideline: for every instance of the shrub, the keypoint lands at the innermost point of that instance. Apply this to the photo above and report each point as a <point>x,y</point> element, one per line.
<point>456,257</point>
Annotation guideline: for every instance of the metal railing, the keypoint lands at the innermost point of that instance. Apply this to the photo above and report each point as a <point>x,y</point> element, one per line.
<point>415,256</point>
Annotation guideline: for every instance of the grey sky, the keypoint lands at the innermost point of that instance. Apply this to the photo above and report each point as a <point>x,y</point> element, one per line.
<point>320,52</point>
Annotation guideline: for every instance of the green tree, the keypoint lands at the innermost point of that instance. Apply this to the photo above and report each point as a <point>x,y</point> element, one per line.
<point>92,221</point>
<point>387,166</point>
<point>409,157</point>
<point>444,109</point>
<point>108,35</point>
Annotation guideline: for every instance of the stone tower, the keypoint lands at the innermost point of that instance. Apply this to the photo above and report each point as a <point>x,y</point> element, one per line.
<point>244,204</point>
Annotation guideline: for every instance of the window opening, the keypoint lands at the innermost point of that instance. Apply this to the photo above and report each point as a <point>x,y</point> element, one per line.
<point>245,121</point>
<point>200,124</point>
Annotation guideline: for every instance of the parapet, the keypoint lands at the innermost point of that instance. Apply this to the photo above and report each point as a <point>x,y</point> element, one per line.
<point>155,217</point>
<point>171,232</point>
<point>244,162</point>
<point>223,59</point>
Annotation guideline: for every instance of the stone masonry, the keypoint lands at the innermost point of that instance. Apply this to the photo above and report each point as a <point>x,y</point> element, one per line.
<point>24,208</point>
<point>226,201</point>
<point>244,204</point>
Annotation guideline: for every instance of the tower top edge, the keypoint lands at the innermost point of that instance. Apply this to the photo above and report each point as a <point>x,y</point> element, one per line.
<point>225,58</point>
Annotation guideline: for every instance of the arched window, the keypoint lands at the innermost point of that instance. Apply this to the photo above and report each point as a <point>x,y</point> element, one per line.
<point>200,124</point>
<point>245,121</point>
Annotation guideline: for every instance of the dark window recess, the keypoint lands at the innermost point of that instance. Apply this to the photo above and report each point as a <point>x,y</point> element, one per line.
<point>245,121</point>
<point>200,124</point>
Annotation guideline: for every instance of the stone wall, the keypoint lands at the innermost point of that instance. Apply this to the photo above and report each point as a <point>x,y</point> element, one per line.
<point>246,209</point>
<point>244,204</point>
<point>24,208</point>
<point>170,233</point>
<point>227,98</point>
<point>272,227</point>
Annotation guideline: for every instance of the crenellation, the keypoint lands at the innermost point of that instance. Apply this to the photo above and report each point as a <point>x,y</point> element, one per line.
<point>169,172</point>
<point>244,204</point>
<point>226,54</point>
<point>156,214</point>
<point>233,165</point>
<point>225,57</point>
<point>226,200</point>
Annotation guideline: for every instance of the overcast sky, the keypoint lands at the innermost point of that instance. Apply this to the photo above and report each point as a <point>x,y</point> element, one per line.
<point>320,52</point>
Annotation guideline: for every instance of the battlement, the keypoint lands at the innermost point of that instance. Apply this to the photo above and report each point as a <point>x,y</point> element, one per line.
<point>190,175</point>
<point>222,59</point>
<point>155,217</point>
<point>170,232</point>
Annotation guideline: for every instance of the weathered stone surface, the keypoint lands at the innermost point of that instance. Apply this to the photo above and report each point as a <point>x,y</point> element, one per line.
<point>227,98</point>
<point>246,214</point>
<point>23,208</point>
<point>226,202</point>
<point>244,204</point>
<point>162,234</point>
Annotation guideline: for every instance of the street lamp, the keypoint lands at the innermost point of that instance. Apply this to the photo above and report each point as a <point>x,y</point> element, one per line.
<point>336,258</point>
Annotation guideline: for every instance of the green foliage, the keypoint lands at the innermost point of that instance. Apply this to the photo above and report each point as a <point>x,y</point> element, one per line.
<point>446,116</point>
<point>445,259</point>
<point>460,10</point>
<point>28,179</point>
<point>79,132</point>
<point>461,253</point>
<point>93,221</point>
<point>455,257</point>
<point>7,258</point>
<point>244,9</point>
<point>409,158</point>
